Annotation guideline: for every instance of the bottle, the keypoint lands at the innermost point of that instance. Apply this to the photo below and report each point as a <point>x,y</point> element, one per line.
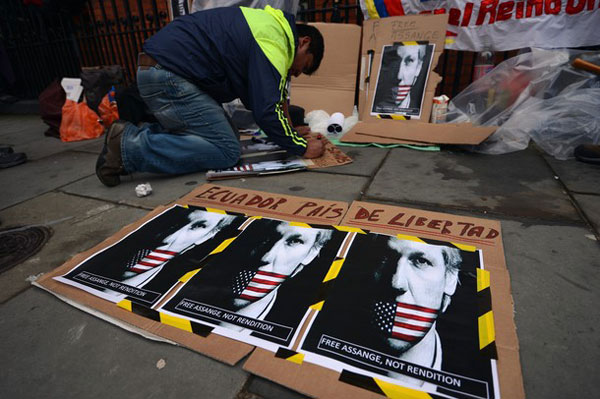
<point>484,62</point>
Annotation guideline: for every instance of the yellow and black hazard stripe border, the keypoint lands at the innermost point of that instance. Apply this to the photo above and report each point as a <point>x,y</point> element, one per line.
<point>394,117</point>
<point>163,318</point>
<point>485,316</point>
<point>384,388</point>
<point>289,355</point>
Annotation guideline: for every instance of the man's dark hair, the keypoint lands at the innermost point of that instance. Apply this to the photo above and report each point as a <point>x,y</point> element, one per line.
<point>316,47</point>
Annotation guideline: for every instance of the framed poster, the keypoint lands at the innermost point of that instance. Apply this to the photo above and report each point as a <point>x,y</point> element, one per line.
<point>260,288</point>
<point>145,264</point>
<point>402,79</point>
<point>406,311</point>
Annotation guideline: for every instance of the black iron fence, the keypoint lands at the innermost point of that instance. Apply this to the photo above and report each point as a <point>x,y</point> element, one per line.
<point>43,40</point>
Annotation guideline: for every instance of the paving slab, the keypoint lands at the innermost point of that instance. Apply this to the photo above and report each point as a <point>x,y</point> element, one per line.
<point>590,204</point>
<point>165,189</point>
<point>365,161</point>
<point>517,184</point>
<point>577,176</point>
<point>77,223</point>
<point>46,146</point>
<point>57,351</point>
<point>21,127</point>
<point>30,179</point>
<point>305,184</point>
<point>555,280</point>
<point>264,388</point>
<point>93,146</point>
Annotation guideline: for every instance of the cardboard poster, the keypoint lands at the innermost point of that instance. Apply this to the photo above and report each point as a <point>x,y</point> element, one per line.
<point>402,78</point>
<point>405,310</point>
<point>259,289</point>
<point>145,264</point>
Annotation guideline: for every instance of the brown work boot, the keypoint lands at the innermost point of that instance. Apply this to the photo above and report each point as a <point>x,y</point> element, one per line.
<point>109,166</point>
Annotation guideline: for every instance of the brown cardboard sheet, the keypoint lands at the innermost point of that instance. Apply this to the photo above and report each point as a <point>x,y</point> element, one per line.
<point>332,86</point>
<point>249,202</point>
<point>317,381</point>
<point>354,137</point>
<point>445,133</point>
<point>332,156</point>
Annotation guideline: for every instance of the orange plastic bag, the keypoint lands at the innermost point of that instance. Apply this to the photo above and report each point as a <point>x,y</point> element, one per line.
<point>79,122</point>
<point>108,111</point>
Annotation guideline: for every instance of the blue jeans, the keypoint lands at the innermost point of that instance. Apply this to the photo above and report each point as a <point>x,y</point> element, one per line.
<point>194,132</point>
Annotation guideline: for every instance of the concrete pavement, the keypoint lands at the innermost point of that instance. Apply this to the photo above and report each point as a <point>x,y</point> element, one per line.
<point>549,209</point>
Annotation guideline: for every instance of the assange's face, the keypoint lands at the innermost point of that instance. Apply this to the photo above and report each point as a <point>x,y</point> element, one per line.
<point>291,250</point>
<point>420,281</point>
<point>410,66</point>
<point>201,227</point>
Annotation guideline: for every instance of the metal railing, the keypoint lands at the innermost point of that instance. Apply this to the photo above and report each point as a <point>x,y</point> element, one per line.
<point>53,41</point>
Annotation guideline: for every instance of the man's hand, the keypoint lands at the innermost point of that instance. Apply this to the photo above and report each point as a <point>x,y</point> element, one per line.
<point>314,146</point>
<point>303,130</point>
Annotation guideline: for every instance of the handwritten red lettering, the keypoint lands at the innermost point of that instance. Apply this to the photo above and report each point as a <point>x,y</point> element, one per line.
<point>255,200</point>
<point>434,224</point>
<point>201,195</point>
<point>307,204</point>
<point>466,228</point>
<point>279,202</point>
<point>239,199</point>
<point>445,229</point>
<point>394,220</point>
<point>492,234</point>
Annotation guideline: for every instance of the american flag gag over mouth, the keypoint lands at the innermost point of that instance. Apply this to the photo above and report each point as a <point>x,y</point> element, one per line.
<point>404,321</point>
<point>253,286</point>
<point>151,259</point>
<point>402,92</point>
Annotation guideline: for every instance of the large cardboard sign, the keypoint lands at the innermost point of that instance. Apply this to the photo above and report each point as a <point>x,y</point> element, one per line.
<point>361,302</point>
<point>259,289</point>
<point>404,35</point>
<point>323,367</point>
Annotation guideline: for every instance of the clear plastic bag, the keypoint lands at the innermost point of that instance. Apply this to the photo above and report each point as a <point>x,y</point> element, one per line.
<point>536,95</point>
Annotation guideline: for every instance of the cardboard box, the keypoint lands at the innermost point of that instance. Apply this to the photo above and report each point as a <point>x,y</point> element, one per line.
<point>332,87</point>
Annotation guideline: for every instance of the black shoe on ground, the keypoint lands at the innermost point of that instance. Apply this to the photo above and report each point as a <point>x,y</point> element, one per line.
<point>588,153</point>
<point>6,150</point>
<point>109,166</point>
<point>9,159</point>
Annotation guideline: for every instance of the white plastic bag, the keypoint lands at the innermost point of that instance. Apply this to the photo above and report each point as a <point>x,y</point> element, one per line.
<point>536,95</point>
